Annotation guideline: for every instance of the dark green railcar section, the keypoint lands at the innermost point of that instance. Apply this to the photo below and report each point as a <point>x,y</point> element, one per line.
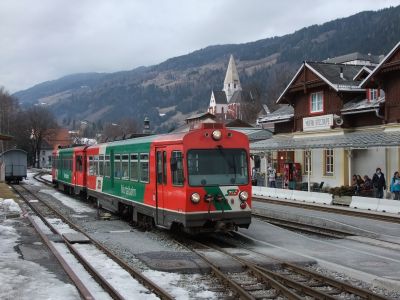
<point>64,165</point>
<point>133,186</point>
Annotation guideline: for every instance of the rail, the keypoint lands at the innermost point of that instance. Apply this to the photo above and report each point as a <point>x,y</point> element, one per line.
<point>148,283</point>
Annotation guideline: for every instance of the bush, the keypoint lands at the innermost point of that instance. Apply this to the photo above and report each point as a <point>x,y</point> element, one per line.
<point>343,190</point>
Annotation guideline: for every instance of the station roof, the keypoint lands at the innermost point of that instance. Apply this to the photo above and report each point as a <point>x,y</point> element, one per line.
<point>350,140</point>
<point>254,134</point>
<point>283,114</point>
<point>361,105</point>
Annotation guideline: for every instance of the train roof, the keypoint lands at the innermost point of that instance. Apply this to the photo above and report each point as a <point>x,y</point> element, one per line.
<point>13,150</point>
<point>167,137</point>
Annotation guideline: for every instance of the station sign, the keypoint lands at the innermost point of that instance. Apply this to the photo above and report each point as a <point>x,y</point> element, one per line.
<point>318,123</point>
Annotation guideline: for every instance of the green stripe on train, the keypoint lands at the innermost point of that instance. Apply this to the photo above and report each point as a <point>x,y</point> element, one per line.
<point>130,190</point>
<point>65,170</point>
<point>215,190</point>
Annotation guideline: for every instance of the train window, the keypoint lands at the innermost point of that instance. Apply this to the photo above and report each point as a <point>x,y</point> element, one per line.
<point>159,167</point>
<point>107,167</point>
<point>144,167</point>
<point>134,167</point>
<point>165,167</point>
<point>117,166</point>
<point>217,167</point>
<point>91,166</point>
<point>176,168</point>
<point>96,164</point>
<point>79,163</point>
<point>101,165</point>
<point>125,166</point>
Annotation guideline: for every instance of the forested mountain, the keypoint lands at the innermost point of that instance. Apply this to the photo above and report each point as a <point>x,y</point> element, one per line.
<point>182,85</point>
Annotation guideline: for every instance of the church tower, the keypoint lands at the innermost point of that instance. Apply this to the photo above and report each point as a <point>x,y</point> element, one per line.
<point>232,82</point>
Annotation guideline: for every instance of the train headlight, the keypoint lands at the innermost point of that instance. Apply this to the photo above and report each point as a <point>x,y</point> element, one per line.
<point>243,196</point>
<point>216,135</point>
<point>195,198</point>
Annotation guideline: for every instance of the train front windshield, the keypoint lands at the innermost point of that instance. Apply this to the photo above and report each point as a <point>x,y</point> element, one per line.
<point>217,167</point>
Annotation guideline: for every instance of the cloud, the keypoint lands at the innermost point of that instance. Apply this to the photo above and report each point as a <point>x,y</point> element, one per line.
<point>47,39</point>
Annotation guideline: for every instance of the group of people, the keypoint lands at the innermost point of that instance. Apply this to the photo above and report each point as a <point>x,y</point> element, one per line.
<point>377,183</point>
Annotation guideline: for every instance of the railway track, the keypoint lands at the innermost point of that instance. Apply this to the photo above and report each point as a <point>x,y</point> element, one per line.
<point>303,227</point>
<point>299,281</point>
<point>331,209</point>
<point>46,212</point>
<point>251,283</point>
<point>288,281</point>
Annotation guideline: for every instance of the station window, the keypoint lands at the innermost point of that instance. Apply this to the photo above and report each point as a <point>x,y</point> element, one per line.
<point>329,162</point>
<point>176,165</point>
<point>134,167</point>
<point>144,167</point>
<point>125,166</point>
<point>373,94</point>
<point>117,166</point>
<point>317,102</point>
<point>305,161</point>
<point>107,167</point>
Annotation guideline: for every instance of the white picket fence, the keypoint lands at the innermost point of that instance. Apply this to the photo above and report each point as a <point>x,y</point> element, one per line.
<point>367,203</point>
<point>312,197</point>
<point>382,205</point>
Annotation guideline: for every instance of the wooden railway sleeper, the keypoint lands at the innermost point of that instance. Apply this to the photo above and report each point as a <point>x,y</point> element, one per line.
<point>342,286</point>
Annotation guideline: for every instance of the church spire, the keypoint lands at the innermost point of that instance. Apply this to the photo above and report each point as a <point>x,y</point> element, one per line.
<point>231,82</point>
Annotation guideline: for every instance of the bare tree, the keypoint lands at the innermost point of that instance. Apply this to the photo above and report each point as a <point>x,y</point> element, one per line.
<point>122,127</point>
<point>39,122</point>
<point>280,76</point>
<point>9,108</point>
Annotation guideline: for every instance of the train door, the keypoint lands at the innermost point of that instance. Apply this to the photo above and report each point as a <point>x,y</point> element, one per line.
<point>161,182</point>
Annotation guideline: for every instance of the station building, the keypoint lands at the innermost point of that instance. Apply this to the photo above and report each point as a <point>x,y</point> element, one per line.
<point>337,118</point>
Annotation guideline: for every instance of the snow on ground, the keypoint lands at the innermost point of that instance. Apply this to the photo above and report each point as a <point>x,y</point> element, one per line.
<point>47,177</point>
<point>120,279</point>
<point>9,205</point>
<point>84,276</point>
<point>170,282</point>
<point>30,180</point>
<point>22,279</point>
<point>75,205</point>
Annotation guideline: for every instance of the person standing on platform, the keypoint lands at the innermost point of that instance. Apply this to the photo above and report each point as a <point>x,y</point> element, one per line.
<point>272,177</point>
<point>379,183</point>
<point>395,186</point>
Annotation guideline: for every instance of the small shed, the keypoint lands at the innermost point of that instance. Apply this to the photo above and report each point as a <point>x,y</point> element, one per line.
<point>13,165</point>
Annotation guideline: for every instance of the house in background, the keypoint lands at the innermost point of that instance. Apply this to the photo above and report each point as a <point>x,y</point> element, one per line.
<point>55,138</point>
<point>338,119</point>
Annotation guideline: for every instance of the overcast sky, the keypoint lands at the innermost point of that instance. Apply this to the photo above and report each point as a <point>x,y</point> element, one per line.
<point>46,39</point>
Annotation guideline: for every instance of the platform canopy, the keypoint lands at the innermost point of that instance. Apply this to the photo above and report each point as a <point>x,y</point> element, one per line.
<point>348,140</point>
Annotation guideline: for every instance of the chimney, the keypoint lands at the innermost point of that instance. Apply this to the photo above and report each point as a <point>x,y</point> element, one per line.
<point>341,73</point>
<point>146,126</point>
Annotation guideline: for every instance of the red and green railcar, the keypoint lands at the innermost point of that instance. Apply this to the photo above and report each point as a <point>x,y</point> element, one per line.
<point>69,169</point>
<point>197,180</point>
